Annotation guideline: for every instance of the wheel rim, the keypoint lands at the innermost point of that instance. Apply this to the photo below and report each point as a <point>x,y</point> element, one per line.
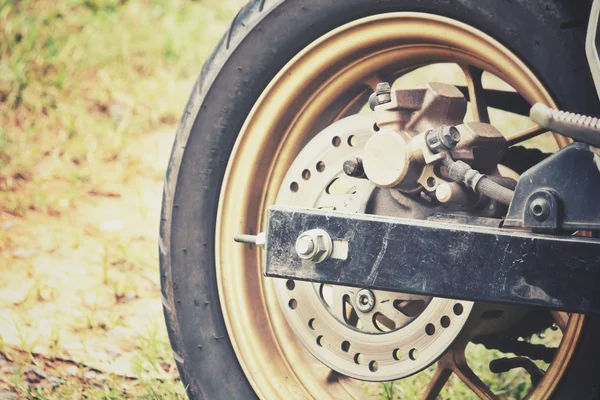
<point>326,81</point>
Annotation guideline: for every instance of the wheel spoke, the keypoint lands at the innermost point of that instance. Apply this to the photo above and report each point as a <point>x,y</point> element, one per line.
<point>355,104</point>
<point>561,318</point>
<point>525,134</point>
<point>467,375</point>
<point>454,360</point>
<point>476,93</point>
<point>373,80</point>
<point>437,383</point>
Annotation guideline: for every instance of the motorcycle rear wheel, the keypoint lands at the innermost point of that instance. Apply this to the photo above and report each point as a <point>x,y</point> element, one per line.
<point>259,98</point>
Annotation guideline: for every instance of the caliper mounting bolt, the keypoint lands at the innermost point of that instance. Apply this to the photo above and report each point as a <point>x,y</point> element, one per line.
<point>443,139</point>
<point>314,245</point>
<point>382,95</point>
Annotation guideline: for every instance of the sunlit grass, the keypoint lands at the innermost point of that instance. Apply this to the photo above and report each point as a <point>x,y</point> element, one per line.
<point>81,78</point>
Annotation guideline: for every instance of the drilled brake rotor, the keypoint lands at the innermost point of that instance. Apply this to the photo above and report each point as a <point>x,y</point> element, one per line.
<point>367,335</point>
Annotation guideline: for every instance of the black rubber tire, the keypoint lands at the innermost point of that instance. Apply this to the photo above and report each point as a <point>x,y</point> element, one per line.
<point>548,35</point>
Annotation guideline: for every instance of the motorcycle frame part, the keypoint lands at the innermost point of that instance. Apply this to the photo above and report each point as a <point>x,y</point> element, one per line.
<point>565,188</point>
<point>443,260</point>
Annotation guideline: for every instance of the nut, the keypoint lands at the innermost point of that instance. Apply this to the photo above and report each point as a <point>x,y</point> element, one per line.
<point>314,245</point>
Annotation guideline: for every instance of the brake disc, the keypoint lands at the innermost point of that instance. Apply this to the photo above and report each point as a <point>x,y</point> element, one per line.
<point>367,335</point>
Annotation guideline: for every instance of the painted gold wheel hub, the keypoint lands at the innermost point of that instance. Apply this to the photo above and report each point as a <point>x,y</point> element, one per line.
<point>331,79</point>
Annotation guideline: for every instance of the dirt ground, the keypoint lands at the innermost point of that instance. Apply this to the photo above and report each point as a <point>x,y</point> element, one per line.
<point>80,292</point>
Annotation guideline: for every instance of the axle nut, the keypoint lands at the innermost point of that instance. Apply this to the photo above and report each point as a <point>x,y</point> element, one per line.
<point>314,245</point>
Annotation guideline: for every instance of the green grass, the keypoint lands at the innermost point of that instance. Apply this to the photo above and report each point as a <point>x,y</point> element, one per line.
<point>79,385</point>
<point>81,78</point>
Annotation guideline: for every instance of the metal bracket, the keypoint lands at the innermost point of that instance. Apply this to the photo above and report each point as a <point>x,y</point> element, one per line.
<point>568,184</point>
<point>440,259</point>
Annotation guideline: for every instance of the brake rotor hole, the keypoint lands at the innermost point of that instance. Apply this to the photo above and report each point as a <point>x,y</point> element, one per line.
<point>320,340</point>
<point>345,346</point>
<point>358,358</point>
<point>336,141</point>
<point>320,166</point>
<point>290,284</point>
<point>445,321</point>
<point>351,140</point>
<point>294,187</point>
<point>373,366</point>
<point>311,323</point>
<point>376,127</point>
<point>306,174</point>
<point>431,181</point>
<point>397,354</point>
<point>430,329</point>
<point>383,323</point>
<point>458,309</point>
<point>413,354</point>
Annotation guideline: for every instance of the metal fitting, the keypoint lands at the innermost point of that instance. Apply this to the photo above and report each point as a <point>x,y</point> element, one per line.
<point>314,245</point>
<point>259,239</point>
<point>382,95</point>
<point>443,139</point>
<point>365,300</point>
<point>540,209</point>
<point>452,192</point>
<point>354,167</point>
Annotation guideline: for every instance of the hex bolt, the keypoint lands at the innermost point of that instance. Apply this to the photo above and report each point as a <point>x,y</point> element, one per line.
<point>314,245</point>
<point>365,300</point>
<point>382,95</point>
<point>450,136</point>
<point>305,246</point>
<point>443,138</point>
<point>354,167</point>
<point>540,209</point>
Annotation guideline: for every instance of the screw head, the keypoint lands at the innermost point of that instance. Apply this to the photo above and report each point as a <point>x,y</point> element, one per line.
<point>365,300</point>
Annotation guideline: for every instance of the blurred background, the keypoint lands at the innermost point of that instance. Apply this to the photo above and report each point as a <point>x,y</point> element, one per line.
<point>90,95</point>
